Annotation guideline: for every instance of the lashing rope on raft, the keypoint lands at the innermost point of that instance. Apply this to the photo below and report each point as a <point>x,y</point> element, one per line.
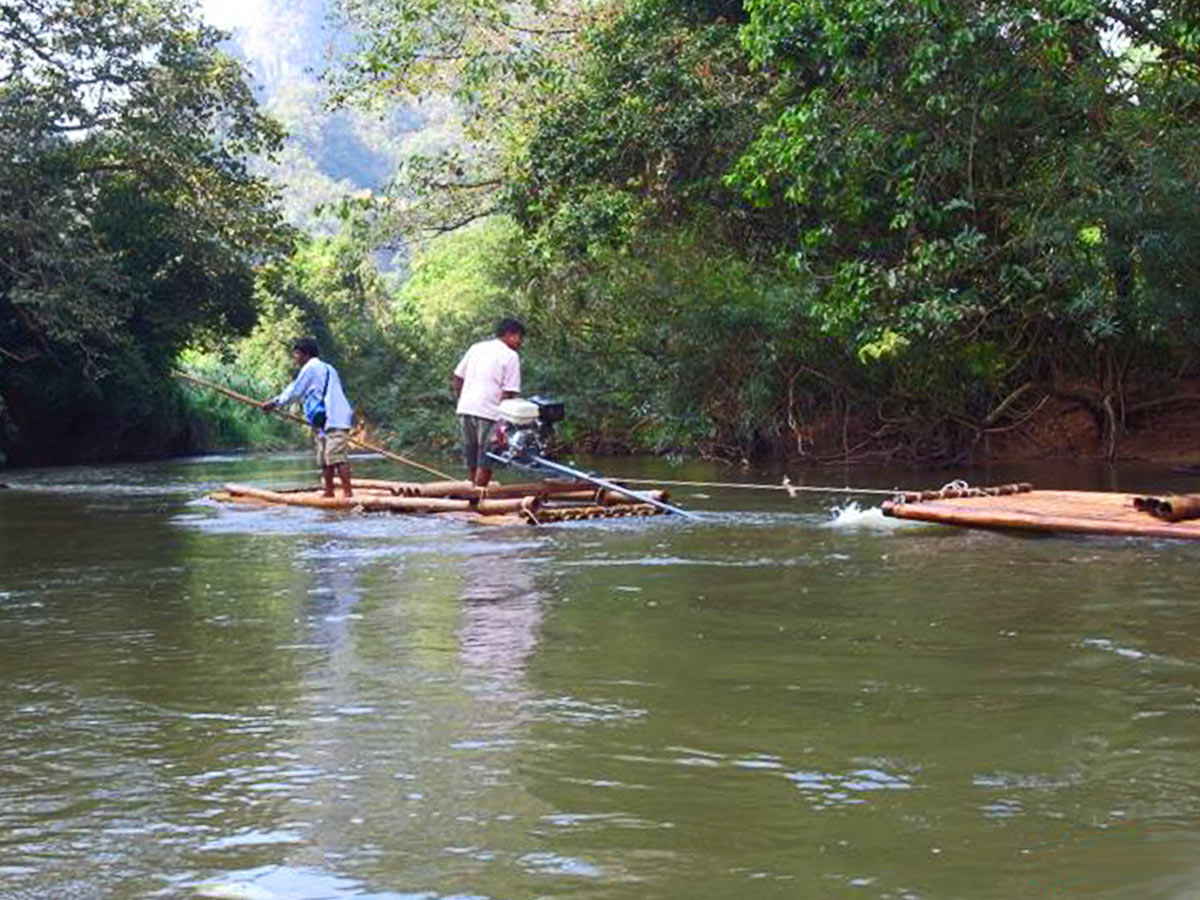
<point>956,489</point>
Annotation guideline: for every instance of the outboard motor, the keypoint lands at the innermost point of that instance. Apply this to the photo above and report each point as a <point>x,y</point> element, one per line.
<point>521,433</point>
<point>524,428</point>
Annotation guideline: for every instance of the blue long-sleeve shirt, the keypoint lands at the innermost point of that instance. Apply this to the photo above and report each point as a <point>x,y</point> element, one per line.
<point>309,383</point>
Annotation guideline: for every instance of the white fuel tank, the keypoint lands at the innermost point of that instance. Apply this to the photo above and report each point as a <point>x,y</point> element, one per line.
<point>518,411</point>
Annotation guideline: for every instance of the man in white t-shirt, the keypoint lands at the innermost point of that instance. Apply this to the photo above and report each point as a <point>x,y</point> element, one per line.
<point>318,388</point>
<point>490,371</point>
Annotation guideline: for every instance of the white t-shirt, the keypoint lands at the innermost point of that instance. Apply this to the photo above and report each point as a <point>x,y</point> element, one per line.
<point>310,384</point>
<point>488,369</point>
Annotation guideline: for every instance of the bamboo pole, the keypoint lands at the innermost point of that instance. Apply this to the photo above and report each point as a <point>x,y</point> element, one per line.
<point>292,417</point>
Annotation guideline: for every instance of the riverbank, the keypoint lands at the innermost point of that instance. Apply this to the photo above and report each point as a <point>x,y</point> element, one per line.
<point>1169,433</point>
<point>1165,429</point>
<point>1060,429</point>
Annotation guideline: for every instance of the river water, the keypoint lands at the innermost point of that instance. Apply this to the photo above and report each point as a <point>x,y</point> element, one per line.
<point>790,698</point>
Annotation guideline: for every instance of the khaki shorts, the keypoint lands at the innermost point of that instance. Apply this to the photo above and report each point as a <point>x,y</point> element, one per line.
<point>476,435</point>
<point>333,446</point>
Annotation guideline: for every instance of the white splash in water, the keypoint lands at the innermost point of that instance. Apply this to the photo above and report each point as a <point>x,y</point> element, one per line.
<point>854,516</point>
<point>1112,647</point>
<point>234,890</point>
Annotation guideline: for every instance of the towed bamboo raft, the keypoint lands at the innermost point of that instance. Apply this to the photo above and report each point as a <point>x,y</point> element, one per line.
<point>534,503</point>
<point>1021,507</point>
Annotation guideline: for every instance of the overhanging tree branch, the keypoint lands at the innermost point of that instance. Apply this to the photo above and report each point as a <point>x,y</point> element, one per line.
<point>447,227</point>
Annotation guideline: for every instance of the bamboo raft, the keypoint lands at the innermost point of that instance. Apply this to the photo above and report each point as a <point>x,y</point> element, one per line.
<point>1021,507</point>
<point>534,503</point>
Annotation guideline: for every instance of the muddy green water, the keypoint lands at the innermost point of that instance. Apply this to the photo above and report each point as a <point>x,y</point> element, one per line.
<point>788,698</point>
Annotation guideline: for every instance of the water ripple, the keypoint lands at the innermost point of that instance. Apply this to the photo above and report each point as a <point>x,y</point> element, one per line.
<point>576,711</point>
<point>830,789</point>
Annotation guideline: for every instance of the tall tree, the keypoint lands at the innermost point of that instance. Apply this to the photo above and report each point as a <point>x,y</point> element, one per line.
<point>1001,181</point>
<point>129,222</point>
<point>496,61</point>
<point>924,218</point>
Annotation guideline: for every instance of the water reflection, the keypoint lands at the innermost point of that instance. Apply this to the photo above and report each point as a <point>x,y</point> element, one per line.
<point>408,737</point>
<point>296,883</point>
<point>501,613</point>
<point>333,597</point>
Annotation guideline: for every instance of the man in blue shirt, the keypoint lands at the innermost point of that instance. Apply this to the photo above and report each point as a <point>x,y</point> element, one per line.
<point>319,390</point>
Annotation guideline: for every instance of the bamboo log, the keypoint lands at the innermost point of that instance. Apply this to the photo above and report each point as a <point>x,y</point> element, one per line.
<point>610,498</point>
<point>507,519</point>
<point>376,503</point>
<point>466,489</point>
<point>392,487</point>
<point>559,490</point>
<point>1172,507</point>
<point>359,490</point>
<point>576,513</point>
<point>225,496</point>
<point>545,488</point>
<point>417,488</point>
<point>949,493</point>
<point>569,490</point>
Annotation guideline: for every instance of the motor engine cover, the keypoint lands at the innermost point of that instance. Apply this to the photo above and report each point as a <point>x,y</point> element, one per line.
<point>524,427</point>
<point>518,411</point>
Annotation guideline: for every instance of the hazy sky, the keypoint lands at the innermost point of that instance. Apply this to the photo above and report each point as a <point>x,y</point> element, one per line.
<point>231,14</point>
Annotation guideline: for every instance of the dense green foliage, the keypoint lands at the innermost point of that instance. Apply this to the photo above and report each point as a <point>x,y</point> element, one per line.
<point>997,184</point>
<point>129,224</point>
<point>642,268</point>
<point>385,351</point>
<point>822,225</point>
<point>805,227</point>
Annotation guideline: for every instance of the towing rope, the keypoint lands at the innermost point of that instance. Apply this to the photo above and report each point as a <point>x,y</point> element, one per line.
<point>958,488</point>
<point>786,485</point>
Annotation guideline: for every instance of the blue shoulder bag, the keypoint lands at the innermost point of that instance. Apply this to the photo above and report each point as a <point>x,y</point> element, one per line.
<point>314,408</point>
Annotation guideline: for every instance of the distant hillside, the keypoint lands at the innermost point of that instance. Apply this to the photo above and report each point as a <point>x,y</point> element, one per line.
<point>285,45</point>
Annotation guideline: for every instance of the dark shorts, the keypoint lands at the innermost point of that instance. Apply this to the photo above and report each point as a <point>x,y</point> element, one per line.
<point>476,435</point>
